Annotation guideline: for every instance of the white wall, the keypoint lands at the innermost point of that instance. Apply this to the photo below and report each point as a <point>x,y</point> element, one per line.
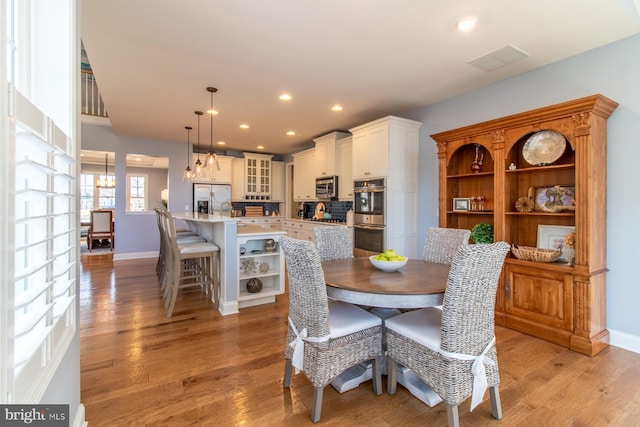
<point>613,71</point>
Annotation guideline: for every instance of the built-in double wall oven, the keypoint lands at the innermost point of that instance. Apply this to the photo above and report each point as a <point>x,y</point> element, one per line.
<point>368,218</point>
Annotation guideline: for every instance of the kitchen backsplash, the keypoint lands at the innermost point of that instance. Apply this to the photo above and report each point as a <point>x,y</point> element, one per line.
<point>338,210</point>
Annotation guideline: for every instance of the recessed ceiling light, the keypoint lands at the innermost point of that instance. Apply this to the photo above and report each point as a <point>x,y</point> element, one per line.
<point>285,97</point>
<point>260,147</point>
<point>244,126</point>
<point>221,143</point>
<point>291,133</point>
<point>213,112</point>
<point>467,23</point>
<point>336,108</point>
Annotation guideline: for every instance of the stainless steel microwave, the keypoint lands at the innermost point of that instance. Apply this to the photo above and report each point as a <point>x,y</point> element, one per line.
<point>327,187</point>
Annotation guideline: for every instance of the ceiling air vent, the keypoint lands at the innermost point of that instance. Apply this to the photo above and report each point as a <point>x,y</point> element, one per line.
<point>499,58</point>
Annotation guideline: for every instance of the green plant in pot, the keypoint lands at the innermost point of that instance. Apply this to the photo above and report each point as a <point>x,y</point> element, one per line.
<point>482,233</point>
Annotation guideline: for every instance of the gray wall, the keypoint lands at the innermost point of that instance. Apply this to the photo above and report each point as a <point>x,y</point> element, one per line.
<point>138,232</point>
<point>612,71</point>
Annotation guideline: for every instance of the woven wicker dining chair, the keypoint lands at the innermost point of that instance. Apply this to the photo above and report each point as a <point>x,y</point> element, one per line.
<point>441,244</point>
<point>324,337</point>
<point>451,348</point>
<point>333,242</point>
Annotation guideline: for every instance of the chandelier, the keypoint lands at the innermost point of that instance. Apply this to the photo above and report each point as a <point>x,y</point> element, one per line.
<point>106,181</point>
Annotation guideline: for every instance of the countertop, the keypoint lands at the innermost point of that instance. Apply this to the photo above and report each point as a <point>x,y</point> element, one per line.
<point>200,217</point>
<point>255,230</point>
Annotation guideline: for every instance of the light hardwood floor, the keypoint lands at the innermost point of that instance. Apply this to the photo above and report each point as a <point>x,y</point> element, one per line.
<point>202,369</point>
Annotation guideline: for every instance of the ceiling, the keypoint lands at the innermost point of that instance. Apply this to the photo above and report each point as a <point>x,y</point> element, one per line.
<point>153,60</point>
<point>94,157</point>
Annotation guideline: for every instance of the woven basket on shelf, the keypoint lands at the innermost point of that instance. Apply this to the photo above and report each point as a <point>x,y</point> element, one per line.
<point>528,253</point>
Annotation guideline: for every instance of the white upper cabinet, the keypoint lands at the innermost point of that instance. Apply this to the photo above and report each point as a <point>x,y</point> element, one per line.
<point>304,176</point>
<point>277,185</point>
<point>237,183</point>
<point>326,154</point>
<point>345,176</point>
<point>370,151</point>
<point>383,146</point>
<point>218,173</point>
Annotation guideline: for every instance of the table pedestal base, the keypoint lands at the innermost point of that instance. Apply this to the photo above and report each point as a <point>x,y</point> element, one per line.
<point>353,377</point>
<point>417,387</point>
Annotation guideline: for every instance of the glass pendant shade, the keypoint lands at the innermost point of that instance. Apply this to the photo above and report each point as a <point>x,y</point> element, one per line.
<point>198,170</point>
<point>187,172</point>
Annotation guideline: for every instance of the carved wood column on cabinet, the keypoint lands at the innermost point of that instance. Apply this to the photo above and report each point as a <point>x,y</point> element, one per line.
<point>499,183</point>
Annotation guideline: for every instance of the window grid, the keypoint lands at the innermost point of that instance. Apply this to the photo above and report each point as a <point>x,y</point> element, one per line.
<point>137,193</point>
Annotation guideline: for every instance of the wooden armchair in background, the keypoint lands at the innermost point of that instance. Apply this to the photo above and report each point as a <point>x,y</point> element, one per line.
<point>101,227</point>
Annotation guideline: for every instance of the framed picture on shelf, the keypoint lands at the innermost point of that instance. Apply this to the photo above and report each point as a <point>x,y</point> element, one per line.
<point>557,198</point>
<point>461,204</point>
<point>552,237</point>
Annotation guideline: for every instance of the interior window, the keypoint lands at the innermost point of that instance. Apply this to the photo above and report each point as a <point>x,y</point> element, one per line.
<point>137,193</point>
<point>87,187</point>
<point>147,182</point>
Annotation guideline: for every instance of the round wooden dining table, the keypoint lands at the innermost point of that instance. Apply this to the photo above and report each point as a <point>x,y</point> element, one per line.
<point>355,280</point>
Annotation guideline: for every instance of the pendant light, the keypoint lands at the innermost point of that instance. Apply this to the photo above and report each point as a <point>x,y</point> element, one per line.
<point>106,182</point>
<point>187,172</point>
<point>198,171</point>
<point>211,155</point>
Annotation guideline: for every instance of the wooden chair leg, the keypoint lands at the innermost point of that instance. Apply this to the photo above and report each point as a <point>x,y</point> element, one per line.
<point>317,404</point>
<point>377,376</point>
<point>215,281</point>
<point>288,368</point>
<point>392,376</point>
<point>452,416</point>
<point>496,407</point>
<point>175,286</point>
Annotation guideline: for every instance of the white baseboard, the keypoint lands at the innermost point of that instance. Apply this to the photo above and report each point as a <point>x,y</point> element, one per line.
<point>227,308</point>
<point>135,255</point>
<point>79,420</point>
<point>624,340</point>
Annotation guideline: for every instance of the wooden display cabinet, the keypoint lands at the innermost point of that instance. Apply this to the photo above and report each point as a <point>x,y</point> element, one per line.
<point>561,302</point>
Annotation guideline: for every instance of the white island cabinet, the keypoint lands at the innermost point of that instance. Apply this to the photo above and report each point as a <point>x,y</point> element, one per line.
<point>229,237</point>
<point>258,262</point>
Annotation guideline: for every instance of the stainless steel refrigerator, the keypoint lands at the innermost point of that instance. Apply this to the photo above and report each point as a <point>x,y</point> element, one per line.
<point>210,198</point>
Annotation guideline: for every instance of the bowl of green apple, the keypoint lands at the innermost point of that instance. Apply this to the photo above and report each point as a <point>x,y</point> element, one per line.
<point>388,260</point>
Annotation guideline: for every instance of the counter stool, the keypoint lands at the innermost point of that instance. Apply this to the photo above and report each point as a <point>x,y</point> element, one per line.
<point>190,262</point>
<point>182,238</point>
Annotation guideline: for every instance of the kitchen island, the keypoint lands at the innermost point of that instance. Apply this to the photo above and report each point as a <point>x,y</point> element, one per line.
<point>225,232</point>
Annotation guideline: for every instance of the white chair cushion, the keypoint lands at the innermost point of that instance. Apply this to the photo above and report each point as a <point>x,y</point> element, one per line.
<point>345,319</point>
<point>194,248</point>
<point>190,239</point>
<point>422,326</point>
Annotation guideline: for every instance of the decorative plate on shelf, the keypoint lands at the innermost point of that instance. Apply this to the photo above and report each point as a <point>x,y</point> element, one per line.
<point>544,147</point>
